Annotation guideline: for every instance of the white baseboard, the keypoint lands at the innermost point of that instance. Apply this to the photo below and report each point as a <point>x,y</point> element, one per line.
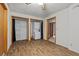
<point>73,50</point>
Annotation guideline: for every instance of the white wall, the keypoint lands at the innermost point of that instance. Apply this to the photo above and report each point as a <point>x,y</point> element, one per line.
<point>62,28</point>
<point>67,29</point>
<point>74,27</point>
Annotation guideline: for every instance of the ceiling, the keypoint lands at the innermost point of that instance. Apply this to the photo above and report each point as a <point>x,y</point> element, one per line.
<point>35,9</point>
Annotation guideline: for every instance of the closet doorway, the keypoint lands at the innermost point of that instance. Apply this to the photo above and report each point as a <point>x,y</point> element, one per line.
<point>19,29</point>
<point>36,29</point>
<point>52,29</point>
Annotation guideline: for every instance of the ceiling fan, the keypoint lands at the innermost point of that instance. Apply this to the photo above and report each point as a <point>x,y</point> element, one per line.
<point>27,3</point>
<point>43,5</point>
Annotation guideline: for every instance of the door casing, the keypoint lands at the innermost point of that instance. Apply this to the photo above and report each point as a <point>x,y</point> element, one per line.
<point>49,26</point>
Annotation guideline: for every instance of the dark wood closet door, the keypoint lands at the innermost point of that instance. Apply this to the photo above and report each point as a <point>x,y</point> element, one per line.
<point>50,30</point>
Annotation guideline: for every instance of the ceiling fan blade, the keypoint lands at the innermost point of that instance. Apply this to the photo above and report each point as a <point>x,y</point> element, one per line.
<point>44,6</point>
<point>27,3</point>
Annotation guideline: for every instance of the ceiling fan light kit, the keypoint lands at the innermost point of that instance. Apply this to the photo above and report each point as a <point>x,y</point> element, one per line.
<point>43,5</point>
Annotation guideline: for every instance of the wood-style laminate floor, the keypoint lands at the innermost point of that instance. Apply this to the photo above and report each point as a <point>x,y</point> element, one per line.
<point>39,48</point>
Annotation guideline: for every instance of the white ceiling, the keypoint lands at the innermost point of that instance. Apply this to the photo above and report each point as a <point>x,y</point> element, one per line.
<point>36,10</point>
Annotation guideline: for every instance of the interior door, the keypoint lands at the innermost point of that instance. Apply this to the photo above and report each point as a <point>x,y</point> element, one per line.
<point>50,30</point>
<point>1,29</point>
<point>37,30</point>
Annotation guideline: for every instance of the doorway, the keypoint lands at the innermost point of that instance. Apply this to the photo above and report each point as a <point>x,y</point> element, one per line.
<point>36,29</point>
<point>19,29</point>
<point>52,29</point>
